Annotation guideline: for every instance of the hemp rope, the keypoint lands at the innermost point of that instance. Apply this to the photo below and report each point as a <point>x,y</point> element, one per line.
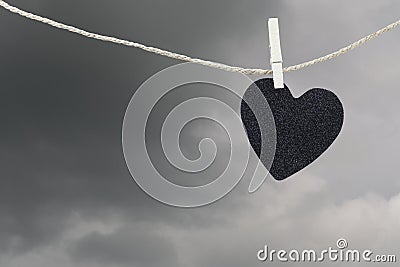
<point>158,51</point>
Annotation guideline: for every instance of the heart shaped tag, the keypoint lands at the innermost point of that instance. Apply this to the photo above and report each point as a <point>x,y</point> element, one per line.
<point>305,126</point>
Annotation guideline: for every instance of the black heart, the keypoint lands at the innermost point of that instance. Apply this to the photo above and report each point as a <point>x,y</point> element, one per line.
<point>305,126</point>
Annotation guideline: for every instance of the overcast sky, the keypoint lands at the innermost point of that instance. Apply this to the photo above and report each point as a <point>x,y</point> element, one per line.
<point>66,196</point>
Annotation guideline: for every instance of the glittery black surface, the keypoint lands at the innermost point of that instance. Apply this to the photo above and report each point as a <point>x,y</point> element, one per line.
<point>305,126</point>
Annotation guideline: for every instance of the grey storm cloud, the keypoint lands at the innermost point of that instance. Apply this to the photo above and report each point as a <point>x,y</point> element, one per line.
<point>129,246</point>
<point>66,196</point>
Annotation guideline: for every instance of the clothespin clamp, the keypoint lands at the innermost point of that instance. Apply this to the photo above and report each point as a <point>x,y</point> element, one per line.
<point>275,52</point>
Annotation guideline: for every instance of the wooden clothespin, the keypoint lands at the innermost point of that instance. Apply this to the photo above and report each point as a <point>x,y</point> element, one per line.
<point>275,52</point>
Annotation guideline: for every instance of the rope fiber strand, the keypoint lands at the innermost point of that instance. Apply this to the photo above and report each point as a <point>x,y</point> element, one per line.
<point>181,57</point>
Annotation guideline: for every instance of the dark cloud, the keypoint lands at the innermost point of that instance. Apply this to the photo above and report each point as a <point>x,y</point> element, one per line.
<point>127,246</point>
<point>63,100</point>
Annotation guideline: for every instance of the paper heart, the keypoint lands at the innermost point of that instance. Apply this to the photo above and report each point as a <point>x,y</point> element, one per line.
<point>305,126</point>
